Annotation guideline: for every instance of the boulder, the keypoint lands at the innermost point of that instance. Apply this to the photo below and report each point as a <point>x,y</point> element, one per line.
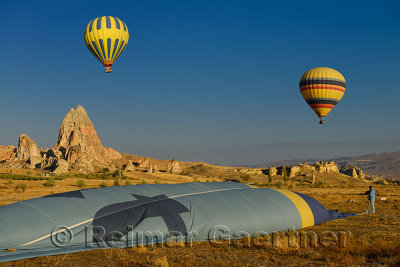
<point>293,170</point>
<point>272,171</point>
<point>26,148</point>
<point>6,152</point>
<point>35,162</point>
<point>62,166</point>
<point>129,167</point>
<point>173,166</point>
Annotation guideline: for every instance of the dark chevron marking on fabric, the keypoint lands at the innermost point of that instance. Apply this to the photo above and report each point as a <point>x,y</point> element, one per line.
<point>118,216</point>
<point>97,49</point>
<point>115,48</point>
<point>322,81</point>
<point>108,22</point>
<point>92,51</point>
<point>71,194</point>
<point>99,23</point>
<point>91,26</point>
<point>119,50</point>
<point>109,47</point>
<point>329,101</point>
<point>117,23</point>
<point>102,48</point>
<point>320,216</point>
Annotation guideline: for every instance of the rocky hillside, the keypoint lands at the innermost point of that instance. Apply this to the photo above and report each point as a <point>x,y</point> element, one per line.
<point>78,148</point>
<point>383,164</point>
<point>387,164</point>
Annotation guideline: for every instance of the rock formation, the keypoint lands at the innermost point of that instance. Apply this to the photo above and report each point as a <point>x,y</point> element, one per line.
<point>272,171</point>
<point>129,167</point>
<point>361,174</point>
<point>78,146</point>
<point>62,166</point>
<point>293,170</point>
<point>150,168</point>
<point>143,163</point>
<point>26,148</point>
<point>173,166</point>
<point>250,171</point>
<point>77,139</point>
<point>353,171</point>
<point>326,167</point>
<point>155,170</point>
<point>6,152</point>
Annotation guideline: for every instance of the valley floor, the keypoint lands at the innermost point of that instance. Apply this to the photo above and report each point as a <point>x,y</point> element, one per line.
<point>369,239</point>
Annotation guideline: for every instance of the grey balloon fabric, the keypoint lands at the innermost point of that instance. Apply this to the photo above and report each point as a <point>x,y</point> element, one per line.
<point>125,215</point>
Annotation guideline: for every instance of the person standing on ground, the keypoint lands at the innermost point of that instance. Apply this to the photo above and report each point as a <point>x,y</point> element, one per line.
<point>371,198</point>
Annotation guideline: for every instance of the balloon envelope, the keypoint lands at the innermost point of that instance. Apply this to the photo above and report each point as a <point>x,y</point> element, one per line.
<point>95,218</point>
<point>322,88</point>
<point>106,37</point>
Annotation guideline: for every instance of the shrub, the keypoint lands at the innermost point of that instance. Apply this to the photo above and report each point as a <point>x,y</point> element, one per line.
<point>116,182</point>
<point>80,183</point>
<point>116,173</point>
<point>10,181</point>
<point>284,172</point>
<point>103,184</point>
<point>143,182</point>
<point>269,178</point>
<point>246,177</point>
<point>319,184</point>
<point>106,170</point>
<point>127,182</point>
<point>20,188</point>
<point>50,182</point>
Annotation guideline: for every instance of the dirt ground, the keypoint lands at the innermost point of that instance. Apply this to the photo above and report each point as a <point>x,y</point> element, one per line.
<point>371,239</point>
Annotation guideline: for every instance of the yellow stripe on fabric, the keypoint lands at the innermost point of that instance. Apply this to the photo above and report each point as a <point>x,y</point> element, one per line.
<point>307,217</point>
<point>322,112</point>
<point>322,93</point>
<point>323,72</point>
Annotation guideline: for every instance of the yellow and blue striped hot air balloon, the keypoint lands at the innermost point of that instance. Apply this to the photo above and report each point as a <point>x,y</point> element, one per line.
<point>106,37</point>
<point>322,88</point>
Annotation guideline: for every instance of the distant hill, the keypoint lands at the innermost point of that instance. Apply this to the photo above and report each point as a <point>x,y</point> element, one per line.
<point>387,164</point>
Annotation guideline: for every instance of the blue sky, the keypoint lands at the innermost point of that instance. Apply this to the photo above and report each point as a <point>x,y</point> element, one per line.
<point>205,80</point>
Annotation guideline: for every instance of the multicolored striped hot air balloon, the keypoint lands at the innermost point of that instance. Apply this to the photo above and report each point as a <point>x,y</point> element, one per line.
<point>106,37</point>
<point>322,88</point>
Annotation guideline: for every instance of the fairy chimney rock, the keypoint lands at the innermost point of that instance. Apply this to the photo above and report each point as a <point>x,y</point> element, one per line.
<point>173,166</point>
<point>77,130</point>
<point>129,167</point>
<point>27,148</point>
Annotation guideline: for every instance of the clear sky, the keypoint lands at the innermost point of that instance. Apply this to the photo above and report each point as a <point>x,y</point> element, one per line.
<point>213,81</point>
